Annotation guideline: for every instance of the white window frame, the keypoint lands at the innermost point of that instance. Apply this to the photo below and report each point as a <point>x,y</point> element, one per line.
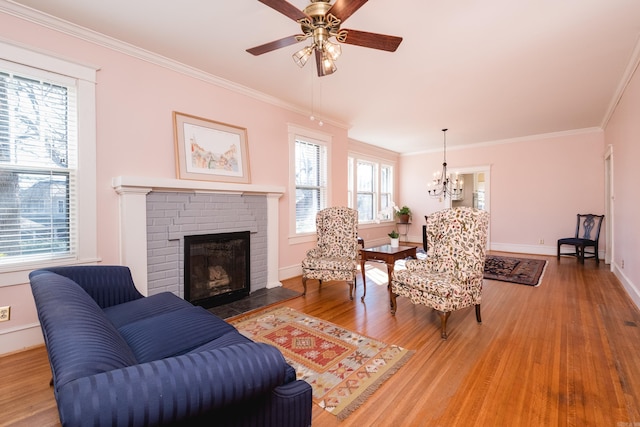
<point>301,133</point>
<point>379,164</point>
<point>86,226</point>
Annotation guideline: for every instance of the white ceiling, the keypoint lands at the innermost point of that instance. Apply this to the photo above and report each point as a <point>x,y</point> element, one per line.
<point>488,70</point>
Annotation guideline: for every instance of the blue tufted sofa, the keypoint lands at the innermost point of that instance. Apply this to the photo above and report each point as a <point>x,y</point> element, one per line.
<point>121,359</point>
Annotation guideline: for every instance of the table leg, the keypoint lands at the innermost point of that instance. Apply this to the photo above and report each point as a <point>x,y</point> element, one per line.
<point>394,304</point>
<point>364,279</point>
<point>392,297</point>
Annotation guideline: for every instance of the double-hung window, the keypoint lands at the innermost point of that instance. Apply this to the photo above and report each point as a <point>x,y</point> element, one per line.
<point>370,187</point>
<point>310,173</point>
<point>39,157</point>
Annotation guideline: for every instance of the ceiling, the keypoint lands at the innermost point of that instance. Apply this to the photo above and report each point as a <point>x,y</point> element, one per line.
<point>488,70</point>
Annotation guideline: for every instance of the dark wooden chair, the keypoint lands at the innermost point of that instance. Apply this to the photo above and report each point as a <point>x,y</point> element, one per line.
<point>587,236</point>
<point>424,235</point>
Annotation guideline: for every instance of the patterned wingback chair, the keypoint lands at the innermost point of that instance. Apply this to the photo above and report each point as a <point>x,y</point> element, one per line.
<point>450,278</point>
<point>336,253</point>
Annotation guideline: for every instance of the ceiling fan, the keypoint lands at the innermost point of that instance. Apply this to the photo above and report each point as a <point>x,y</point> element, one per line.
<point>320,21</point>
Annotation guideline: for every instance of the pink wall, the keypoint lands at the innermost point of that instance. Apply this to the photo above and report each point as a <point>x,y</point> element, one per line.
<point>623,133</point>
<point>537,186</point>
<point>135,100</point>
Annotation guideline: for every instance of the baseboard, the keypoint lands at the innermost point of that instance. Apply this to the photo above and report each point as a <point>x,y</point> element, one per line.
<point>531,249</point>
<point>18,339</point>
<point>524,249</point>
<point>632,290</point>
<point>289,272</point>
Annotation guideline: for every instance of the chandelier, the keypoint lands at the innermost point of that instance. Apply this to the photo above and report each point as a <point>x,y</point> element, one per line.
<point>320,28</point>
<point>442,184</point>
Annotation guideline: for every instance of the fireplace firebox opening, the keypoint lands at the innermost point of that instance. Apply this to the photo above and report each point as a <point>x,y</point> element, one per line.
<point>216,268</point>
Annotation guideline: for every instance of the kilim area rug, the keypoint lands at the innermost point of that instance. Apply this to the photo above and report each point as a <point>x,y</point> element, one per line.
<point>343,367</point>
<point>524,271</point>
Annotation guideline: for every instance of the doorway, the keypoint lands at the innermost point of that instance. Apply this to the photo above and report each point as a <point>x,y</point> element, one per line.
<point>477,190</point>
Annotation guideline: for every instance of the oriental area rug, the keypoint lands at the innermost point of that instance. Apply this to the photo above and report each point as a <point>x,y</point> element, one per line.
<point>524,271</point>
<point>343,367</point>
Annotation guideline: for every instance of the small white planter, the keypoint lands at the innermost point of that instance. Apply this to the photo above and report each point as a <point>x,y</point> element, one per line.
<point>395,242</point>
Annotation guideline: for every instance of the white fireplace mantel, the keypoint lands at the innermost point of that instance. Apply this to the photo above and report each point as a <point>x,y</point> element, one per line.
<point>133,192</point>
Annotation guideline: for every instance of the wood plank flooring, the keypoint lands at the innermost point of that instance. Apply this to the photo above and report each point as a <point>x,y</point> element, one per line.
<point>566,353</point>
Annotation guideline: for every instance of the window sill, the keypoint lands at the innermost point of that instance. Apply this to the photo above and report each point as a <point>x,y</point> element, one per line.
<point>18,274</point>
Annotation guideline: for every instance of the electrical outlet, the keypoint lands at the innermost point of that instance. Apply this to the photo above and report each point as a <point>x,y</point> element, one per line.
<point>622,264</point>
<point>5,313</point>
<point>541,242</point>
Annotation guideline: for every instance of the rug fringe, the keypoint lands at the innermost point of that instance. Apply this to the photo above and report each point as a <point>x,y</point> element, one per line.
<point>542,274</point>
<point>348,410</point>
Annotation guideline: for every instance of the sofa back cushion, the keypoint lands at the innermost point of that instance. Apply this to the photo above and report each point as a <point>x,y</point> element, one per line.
<point>173,333</point>
<point>108,285</point>
<point>80,339</point>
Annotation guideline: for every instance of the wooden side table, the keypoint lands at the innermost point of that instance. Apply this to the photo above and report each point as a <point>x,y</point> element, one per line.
<point>389,256</point>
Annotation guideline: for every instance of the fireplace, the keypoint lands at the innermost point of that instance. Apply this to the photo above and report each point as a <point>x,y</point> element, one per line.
<point>216,268</point>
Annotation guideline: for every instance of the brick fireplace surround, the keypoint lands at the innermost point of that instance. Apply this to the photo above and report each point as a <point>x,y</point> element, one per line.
<point>152,242</point>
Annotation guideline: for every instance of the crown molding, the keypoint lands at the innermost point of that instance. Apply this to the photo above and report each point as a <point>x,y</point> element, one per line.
<point>40,18</point>
<point>549,135</point>
<point>632,67</point>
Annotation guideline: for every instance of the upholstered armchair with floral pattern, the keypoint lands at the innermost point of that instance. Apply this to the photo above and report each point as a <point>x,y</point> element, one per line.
<point>450,278</point>
<point>335,256</point>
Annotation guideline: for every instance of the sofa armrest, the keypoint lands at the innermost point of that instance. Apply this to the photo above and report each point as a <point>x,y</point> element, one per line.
<point>172,389</point>
<point>107,284</point>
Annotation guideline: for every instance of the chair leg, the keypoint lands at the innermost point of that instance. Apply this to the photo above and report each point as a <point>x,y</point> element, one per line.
<point>351,285</point>
<point>478,317</point>
<point>304,285</point>
<point>443,323</point>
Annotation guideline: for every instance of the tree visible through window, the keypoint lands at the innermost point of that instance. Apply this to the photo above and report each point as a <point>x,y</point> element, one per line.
<point>37,170</point>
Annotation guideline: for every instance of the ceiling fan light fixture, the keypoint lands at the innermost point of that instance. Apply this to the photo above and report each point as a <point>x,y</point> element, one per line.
<point>328,66</point>
<point>320,21</point>
<point>333,50</point>
<point>302,56</point>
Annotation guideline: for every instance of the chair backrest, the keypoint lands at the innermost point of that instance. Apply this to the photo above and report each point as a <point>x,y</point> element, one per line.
<point>337,231</point>
<point>588,226</point>
<point>457,239</point>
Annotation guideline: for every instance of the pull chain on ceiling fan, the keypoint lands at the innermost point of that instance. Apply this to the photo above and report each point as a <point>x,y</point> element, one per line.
<point>319,22</point>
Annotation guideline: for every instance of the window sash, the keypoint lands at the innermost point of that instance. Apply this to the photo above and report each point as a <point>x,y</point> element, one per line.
<point>373,180</point>
<point>310,182</point>
<point>38,158</point>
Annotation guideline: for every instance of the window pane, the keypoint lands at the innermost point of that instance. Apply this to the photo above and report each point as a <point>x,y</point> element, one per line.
<point>365,207</point>
<point>35,180</point>
<point>311,183</point>
<point>365,177</point>
<point>307,164</point>
<point>307,206</point>
<point>385,179</point>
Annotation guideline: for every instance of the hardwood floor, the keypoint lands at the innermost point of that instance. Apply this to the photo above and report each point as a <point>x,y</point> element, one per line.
<point>566,353</point>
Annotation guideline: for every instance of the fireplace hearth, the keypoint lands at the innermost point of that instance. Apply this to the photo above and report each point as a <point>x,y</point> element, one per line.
<point>216,268</point>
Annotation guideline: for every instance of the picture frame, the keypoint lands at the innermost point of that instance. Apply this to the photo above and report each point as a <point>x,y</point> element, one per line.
<point>210,150</point>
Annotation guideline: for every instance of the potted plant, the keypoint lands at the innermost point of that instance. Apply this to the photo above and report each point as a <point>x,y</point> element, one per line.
<point>403,214</point>
<point>395,238</point>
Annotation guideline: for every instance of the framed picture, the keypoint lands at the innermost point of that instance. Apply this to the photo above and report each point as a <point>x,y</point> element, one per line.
<point>209,150</point>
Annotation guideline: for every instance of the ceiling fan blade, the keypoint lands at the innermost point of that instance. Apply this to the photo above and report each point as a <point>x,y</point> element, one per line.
<point>373,40</point>
<point>342,9</point>
<point>285,8</point>
<point>277,44</point>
